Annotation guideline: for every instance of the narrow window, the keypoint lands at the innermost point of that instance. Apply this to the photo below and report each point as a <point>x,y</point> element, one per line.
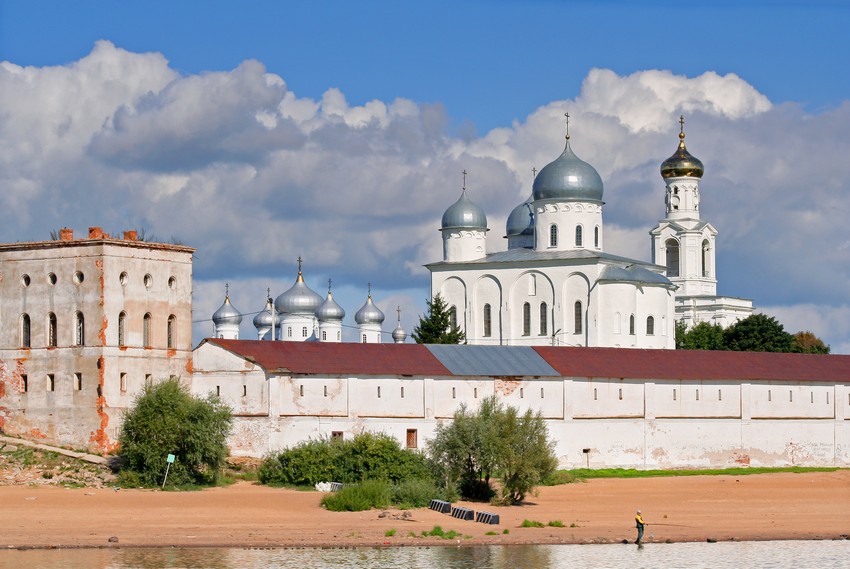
<point>218,391</point>
<point>521,393</point>
<point>454,393</point>
<point>620,395</point>
<point>51,381</point>
<point>488,329</point>
<point>336,435</point>
<point>768,394</point>
<point>244,391</point>
<point>720,395</point>
<point>475,393</point>
<point>24,383</point>
<point>532,285</point>
<point>812,394</point>
<point>674,394</point>
<point>379,392</point>
<point>594,394</point>
<point>326,390</point>
<point>541,393</point>
<point>78,381</point>
<point>148,280</point>
<point>577,317</point>
<point>411,438</point>
<point>544,321</point>
<point>303,331</point>
<point>697,395</point>
<point>453,317</point>
<point>596,237</point>
<point>148,379</point>
<point>526,319</point>
<point>79,329</point>
<point>578,236</point>
<point>402,392</point>
<point>553,235</point>
<point>122,323</point>
<point>790,396</point>
<point>146,331</point>
<point>672,255</point>
<point>289,331</point>
<point>338,335</point>
<point>51,330</point>
<point>827,397</point>
<point>25,331</point>
<point>170,331</point>
<point>631,324</point>
<point>301,390</point>
<point>650,326</point>
<point>122,382</point>
<point>324,335</point>
<point>364,338</point>
<point>705,248</point>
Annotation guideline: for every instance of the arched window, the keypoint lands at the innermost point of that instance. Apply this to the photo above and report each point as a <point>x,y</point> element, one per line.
<point>650,326</point>
<point>303,331</point>
<point>289,331</point>
<point>672,263</point>
<point>79,329</point>
<point>453,317</point>
<point>51,330</point>
<point>578,236</point>
<point>26,334</point>
<point>578,316</point>
<point>488,328</point>
<point>705,247</point>
<point>526,319</point>
<point>338,335</point>
<point>122,327</point>
<point>596,237</point>
<point>170,330</point>
<point>324,335</point>
<point>544,321</point>
<point>146,331</point>
<point>632,324</point>
<point>553,235</point>
<point>364,341</point>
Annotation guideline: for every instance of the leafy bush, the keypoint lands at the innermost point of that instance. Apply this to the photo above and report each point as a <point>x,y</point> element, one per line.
<point>531,524</point>
<point>358,497</point>
<point>416,493</point>
<point>166,419</point>
<point>367,456</point>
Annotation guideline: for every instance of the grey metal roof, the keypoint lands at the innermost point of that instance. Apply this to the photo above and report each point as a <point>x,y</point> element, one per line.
<point>496,361</point>
<point>633,274</point>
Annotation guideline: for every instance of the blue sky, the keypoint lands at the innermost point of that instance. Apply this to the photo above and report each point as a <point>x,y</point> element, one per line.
<point>338,131</point>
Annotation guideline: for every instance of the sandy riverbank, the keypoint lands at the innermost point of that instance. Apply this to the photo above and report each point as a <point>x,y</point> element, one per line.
<point>756,507</point>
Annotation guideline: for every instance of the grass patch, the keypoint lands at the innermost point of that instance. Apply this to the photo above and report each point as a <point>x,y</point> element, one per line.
<point>506,531</point>
<point>438,531</point>
<point>573,525</point>
<point>492,533</point>
<point>581,474</point>
<point>555,524</point>
<point>389,533</point>
<point>531,524</point>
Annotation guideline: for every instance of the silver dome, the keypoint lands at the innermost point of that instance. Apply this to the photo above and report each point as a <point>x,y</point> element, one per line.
<point>369,313</point>
<point>263,319</point>
<point>521,220</point>
<point>300,299</point>
<point>330,310</point>
<point>399,335</point>
<point>463,214</point>
<point>568,178</point>
<point>227,314</point>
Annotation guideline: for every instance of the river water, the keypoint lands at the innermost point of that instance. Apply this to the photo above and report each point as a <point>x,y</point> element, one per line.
<point>751,555</point>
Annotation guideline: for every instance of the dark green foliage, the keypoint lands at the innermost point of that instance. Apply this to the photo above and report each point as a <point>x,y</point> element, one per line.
<point>358,497</point>
<point>367,456</point>
<point>415,493</point>
<point>166,419</point>
<point>757,333</point>
<point>703,336</point>
<point>494,442</point>
<point>436,327</point>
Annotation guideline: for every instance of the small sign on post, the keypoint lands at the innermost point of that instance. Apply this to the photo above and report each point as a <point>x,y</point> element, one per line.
<point>169,460</point>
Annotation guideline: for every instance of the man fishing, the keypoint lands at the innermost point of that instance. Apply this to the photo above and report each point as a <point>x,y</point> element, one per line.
<point>639,523</point>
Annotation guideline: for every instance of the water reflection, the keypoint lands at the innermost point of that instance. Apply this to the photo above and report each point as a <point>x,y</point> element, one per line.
<point>820,554</point>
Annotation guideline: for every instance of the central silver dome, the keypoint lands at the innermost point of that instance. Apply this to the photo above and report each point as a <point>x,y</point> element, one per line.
<point>369,313</point>
<point>568,178</point>
<point>463,214</point>
<point>300,299</point>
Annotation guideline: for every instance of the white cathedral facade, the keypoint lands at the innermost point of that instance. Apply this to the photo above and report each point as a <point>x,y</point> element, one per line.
<point>556,285</point>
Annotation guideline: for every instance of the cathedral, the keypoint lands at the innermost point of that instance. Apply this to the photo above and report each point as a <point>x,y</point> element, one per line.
<point>556,285</point>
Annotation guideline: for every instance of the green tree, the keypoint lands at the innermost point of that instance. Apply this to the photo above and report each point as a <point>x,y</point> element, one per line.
<point>495,441</point>
<point>806,342</point>
<point>436,327</point>
<point>167,419</point>
<point>757,333</point>
<point>703,336</point>
<point>681,331</point>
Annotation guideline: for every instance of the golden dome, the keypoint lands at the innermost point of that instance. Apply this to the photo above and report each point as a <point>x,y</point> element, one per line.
<point>682,163</point>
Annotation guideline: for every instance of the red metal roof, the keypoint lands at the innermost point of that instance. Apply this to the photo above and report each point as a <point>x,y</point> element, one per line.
<point>337,359</point>
<point>695,364</point>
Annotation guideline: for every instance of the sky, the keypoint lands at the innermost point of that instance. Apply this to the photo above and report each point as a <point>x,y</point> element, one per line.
<point>259,132</point>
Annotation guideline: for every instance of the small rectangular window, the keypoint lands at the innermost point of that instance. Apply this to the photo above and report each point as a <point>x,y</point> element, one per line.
<point>122,383</point>
<point>218,391</point>
<point>594,394</point>
<point>521,393</point>
<point>411,438</point>
<point>454,393</point>
<point>475,392</point>
<point>541,393</point>
<point>402,392</point>
<point>24,383</point>
<point>790,396</point>
<point>719,395</point>
<point>301,390</point>
<point>51,382</point>
<point>336,435</point>
<point>697,394</point>
<point>812,394</point>
<point>78,381</point>
<point>244,391</point>
<point>674,394</point>
<point>621,394</point>
<point>379,392</point>
<point>325,389</point>
<point>827,397</point>
<point>768,394</point>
